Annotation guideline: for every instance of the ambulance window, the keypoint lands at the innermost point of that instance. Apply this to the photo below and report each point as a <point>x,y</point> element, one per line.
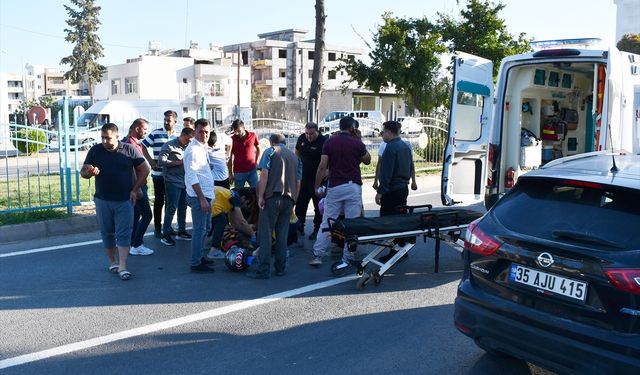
<point>468,116</point>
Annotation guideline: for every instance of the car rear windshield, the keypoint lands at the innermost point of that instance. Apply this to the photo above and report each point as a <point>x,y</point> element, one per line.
<point>602,217</point>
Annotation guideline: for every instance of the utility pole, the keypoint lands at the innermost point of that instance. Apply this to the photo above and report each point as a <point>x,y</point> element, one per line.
<point>239,63</point>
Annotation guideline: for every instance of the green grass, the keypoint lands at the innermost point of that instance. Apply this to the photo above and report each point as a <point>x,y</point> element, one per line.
<point>32,216</point>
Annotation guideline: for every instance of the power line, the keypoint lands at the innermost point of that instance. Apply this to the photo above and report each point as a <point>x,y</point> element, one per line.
<point>62,37</point>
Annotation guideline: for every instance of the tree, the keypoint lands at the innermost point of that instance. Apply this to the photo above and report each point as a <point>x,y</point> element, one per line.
<point>481,32</point>
<point>83,25</point>
<point>406,56</point>
<point>629,43</point>
<point>318,59</point>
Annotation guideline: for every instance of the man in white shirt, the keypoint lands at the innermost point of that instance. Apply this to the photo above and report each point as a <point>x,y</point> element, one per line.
<point>219,151</point>
<point>200,194</point>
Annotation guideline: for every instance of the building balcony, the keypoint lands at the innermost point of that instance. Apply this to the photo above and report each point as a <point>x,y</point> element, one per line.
<point>263,82</point>
<point>259,64</point>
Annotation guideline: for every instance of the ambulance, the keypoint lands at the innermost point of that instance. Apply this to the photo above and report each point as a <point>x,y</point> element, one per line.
<point>566,97</point>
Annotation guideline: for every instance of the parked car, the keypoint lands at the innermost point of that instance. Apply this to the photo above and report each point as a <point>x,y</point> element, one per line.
<point>410,125</point>
<point>552,270</point>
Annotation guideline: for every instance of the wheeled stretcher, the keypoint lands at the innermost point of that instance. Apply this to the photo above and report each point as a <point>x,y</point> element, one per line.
<point>399,232</point>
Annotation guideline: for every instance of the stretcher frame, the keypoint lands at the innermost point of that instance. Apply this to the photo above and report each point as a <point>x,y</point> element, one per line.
<point>372,269</point>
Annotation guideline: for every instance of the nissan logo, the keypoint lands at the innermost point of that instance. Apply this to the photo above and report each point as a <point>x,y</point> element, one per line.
<point>545,260</point>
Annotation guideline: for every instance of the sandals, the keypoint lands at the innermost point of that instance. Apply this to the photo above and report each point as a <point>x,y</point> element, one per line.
<point>114,268</point>
<point>125,275</point>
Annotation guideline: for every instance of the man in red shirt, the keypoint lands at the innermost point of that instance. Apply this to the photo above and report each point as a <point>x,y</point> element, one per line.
<point>245,153</point>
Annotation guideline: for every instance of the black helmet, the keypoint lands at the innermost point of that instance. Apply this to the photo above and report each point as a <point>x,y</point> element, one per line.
<point>238,259</point>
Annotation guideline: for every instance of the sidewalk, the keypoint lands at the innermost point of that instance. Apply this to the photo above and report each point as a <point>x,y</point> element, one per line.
<point>86,222</point>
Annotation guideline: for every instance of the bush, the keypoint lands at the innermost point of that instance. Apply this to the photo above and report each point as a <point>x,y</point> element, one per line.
<point>30,140</point>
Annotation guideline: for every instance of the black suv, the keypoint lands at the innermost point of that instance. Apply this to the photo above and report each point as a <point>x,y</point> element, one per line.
<point>552,271</point>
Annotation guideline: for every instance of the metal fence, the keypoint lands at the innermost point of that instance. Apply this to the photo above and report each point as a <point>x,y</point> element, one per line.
<point>45,171</point>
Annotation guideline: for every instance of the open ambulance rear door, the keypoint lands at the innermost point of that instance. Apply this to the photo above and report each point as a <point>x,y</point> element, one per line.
<point>464,169</point>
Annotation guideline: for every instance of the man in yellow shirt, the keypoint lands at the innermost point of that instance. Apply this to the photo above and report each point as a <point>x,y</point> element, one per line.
<point>227,208</point>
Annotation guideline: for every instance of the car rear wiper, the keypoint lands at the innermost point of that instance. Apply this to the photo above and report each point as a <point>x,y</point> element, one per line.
<point>584,237</point>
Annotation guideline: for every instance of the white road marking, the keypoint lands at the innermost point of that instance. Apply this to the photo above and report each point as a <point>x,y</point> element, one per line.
<point>82,345</point>
<point>67,246</point>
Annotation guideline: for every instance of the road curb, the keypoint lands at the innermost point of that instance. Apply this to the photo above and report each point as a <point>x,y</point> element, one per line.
<point>50,228</point>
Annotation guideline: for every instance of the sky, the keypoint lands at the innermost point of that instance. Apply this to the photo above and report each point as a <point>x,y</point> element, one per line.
<point>33,32</point>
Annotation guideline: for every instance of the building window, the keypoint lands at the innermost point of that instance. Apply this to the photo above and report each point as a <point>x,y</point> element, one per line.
<point>214,88</point>
<point>310,73</point>
<point>282,53</point>
<point>115,86</point>
<point>131,85</point>
<point>332,74</point>
<point>245,57</point>
<point>311,55</point>
<point>282,73</point>
<point>282,91</point>
<point>332,56</point>
<point>351,57</point>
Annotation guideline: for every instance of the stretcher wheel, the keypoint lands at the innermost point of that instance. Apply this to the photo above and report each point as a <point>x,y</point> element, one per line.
<point>359,270</point>
<point>377,278</point>
<point>363,280</point>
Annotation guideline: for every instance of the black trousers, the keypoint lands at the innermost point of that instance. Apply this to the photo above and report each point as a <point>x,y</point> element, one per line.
<point>307,193</point>
<point>158,202</point>
<point>389,203</point>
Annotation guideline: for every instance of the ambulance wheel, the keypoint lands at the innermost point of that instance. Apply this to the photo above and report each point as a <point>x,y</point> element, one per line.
<point>377,278</point>
<point>363,280</point>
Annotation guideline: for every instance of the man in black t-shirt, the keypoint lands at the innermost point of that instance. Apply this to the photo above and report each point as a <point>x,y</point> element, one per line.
<point>112,163</point>
<point>309,150</point>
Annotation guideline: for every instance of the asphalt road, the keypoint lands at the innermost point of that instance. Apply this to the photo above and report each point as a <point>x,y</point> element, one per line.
<point>61,312</point>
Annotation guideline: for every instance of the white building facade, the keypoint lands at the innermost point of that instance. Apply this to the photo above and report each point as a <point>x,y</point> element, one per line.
<point>282,64</point>
<point>184,75</point>
<point>627,17</point>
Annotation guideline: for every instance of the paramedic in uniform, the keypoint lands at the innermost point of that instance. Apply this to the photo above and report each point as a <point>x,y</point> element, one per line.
<point>342,154</point>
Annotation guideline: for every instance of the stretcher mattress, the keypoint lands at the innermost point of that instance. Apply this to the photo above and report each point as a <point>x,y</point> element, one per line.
<point>424,220</point>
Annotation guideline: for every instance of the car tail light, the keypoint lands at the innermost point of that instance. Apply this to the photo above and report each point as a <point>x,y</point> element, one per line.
<point>625,279</point>
<point>586,184</point>
<point>509,178</point>
<point>479,242</point>
<point>462,328</point>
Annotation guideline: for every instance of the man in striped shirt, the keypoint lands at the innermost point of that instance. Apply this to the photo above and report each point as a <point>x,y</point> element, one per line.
<point>155,140</point>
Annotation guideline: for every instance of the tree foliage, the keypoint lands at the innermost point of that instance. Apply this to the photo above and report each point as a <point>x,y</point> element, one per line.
<point>82,32</point>
<point>481,32</point>
<point>407,53</point>
<point>629,43</point>
<point>407,57</point>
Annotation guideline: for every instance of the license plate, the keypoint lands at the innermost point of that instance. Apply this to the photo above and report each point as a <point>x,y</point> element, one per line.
<point>549,284</point>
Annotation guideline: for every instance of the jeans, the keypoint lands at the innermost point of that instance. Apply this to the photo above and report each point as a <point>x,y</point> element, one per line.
<point>345,198</point>
<point>158,201</point>
<point>201,225</point>
<point>176,200</point>
<point>274,217</point>
<point>250,177</point>
<point>389,203</point>
<point>141,218</point>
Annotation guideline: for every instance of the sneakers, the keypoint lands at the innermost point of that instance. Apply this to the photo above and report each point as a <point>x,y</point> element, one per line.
<point>316,261</point>
<point>140,250</point>
<point>216,253</point>
<point>167,240</point>
<point>203,268</point>
<point>313,235</point>
<point>183,236</point>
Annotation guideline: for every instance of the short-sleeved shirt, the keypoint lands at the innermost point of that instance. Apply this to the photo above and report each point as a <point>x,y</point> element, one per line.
<point>226,200</point>
<point>218,162</point>
<point>244,152</point>
<point>344,152</point>
<point>115,180</point>
<point>284,171</point>
<point>310,153</point>
<point>155,140</point>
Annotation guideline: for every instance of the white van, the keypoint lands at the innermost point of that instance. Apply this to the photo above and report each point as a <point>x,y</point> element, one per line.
<point>121,113</point>
<point>566,98</point>
<point>370,122</point>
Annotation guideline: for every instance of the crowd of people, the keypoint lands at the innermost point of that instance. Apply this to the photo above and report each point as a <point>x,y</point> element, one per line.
<point>197,168</point>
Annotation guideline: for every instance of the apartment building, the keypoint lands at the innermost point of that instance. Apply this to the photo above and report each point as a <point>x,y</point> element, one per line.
<point>281,64</point>
<point>55,84</point>
<point>627,17</point>
<point>187,75</point>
